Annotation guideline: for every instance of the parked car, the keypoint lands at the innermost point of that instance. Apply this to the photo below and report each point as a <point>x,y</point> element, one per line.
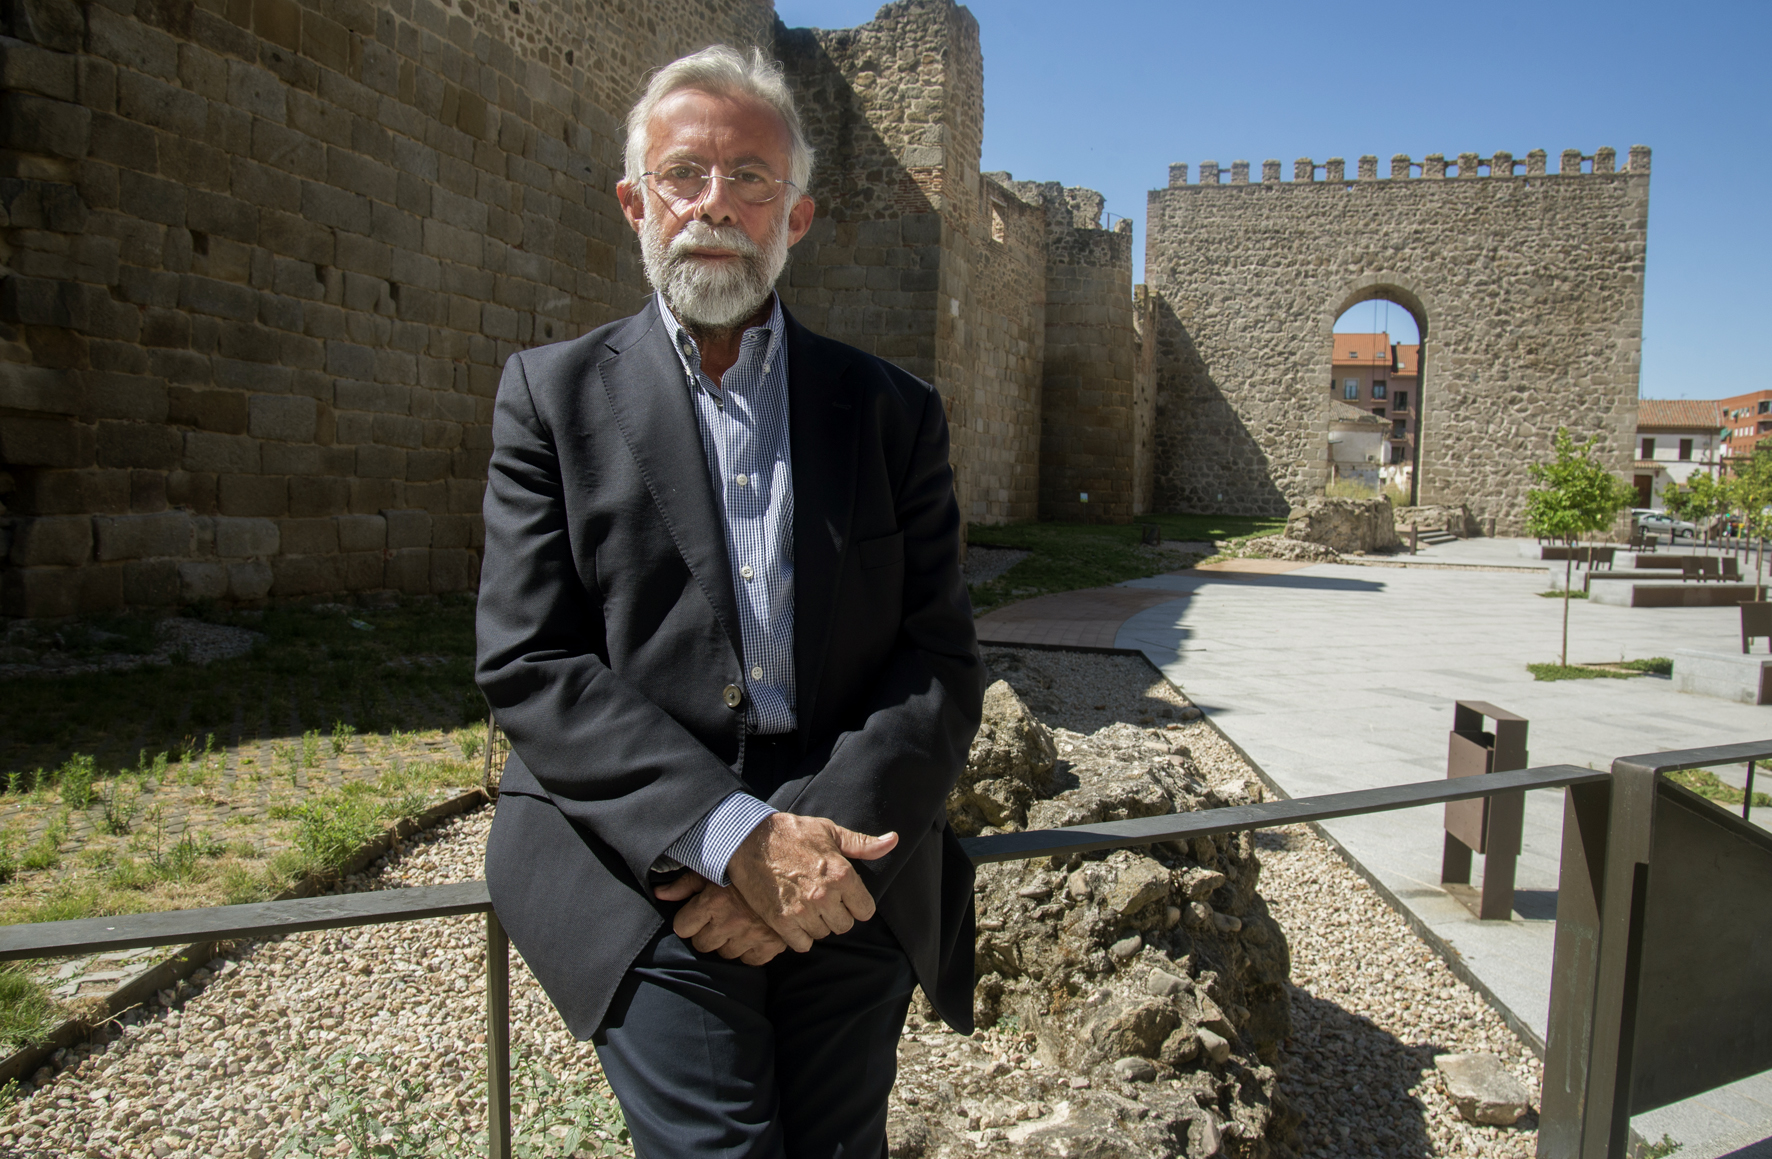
<point>1661,523</point>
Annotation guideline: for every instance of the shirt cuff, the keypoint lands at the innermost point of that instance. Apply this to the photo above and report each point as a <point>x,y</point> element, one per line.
<point>710,843</point>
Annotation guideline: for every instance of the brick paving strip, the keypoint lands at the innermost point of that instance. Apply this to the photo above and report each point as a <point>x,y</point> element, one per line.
<point>1091,618</point>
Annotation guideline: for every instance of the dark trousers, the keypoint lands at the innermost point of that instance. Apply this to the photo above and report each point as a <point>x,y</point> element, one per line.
<point>790,1060</point>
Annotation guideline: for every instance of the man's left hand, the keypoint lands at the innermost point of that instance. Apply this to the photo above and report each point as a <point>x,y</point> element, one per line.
<point>718,921</point>
<point>796,874</point>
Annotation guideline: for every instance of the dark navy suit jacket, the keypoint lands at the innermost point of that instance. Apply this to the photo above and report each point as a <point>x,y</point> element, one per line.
<point>608,636</point>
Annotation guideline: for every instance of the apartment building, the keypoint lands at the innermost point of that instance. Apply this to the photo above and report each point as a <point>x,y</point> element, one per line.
<point>1383,378</point>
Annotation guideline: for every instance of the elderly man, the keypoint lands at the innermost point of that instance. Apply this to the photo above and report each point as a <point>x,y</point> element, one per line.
<point>722,621</point>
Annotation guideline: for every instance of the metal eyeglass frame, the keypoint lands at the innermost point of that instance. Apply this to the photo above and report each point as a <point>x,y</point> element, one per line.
<point>708,177</point>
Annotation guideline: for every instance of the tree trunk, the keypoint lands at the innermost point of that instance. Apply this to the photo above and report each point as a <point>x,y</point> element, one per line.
<point>1568,574</point>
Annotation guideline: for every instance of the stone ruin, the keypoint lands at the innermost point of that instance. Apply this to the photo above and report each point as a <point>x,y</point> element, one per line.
<point>1351,526</point>
<point>1154,973</point>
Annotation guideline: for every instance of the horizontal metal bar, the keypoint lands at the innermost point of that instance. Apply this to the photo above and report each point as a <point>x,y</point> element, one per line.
<point>1208,822</point>
<point>339,911</point>
<point>237,922</point>
<point>1722,754</point>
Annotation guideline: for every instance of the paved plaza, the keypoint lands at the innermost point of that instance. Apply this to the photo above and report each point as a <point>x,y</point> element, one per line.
<point>1339,676</point>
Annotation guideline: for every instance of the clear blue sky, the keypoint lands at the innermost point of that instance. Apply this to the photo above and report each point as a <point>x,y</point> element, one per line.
<point>1106,95</point>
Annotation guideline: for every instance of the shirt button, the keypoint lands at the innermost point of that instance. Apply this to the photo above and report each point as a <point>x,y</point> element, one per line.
<point>741,480</point>
<point>733,695</point>
<point>746,571</point>
<point>757,673</point>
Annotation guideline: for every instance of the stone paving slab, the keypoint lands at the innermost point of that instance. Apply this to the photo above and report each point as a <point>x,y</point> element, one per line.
<point>1335,677</point>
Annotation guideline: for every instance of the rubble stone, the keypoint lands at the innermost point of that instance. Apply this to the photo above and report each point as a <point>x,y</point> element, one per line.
<point>1483,1089</point>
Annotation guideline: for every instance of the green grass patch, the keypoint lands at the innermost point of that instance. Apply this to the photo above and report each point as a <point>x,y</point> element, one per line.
<point>1708,785</point>
<point>1658,665</point>
<point>1071,556</point>
<point>315,678</point>
<point>1557,594</point>
<point>27,1012</point>
<point>1575,672</point>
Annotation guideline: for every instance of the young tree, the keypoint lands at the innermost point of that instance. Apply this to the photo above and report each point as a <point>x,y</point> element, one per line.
<point>1751,488</point>
<point>1578,496</point>
<point>1706,499</point>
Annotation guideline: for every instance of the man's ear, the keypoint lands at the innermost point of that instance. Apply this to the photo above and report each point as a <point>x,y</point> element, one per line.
<point>633,202</point>
<point>799,219</point>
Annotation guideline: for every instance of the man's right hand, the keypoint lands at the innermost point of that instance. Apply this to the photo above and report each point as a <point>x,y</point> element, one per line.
<point>717,921</point>
<point>795,873</point>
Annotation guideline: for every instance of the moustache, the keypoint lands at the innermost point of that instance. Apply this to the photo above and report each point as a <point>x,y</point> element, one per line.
<point>698,235</point>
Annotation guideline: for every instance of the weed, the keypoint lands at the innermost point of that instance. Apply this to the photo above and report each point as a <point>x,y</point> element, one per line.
<point>310,749</point>
<point>75,778</point>
<point>8,853</point>
<point>27,1013</point>
<point>371,1112</point>
<point>119,802</point>
<point>1657,665</point>
<point>1708,785</point>
<point>1557,594</point>
<point>240,886</point>
<point>45,852</point>
<point>1663,1149</point>
<point>1349,489</point>
<point>341,737</point>
<point>470,741</point>
<point>329,830</point>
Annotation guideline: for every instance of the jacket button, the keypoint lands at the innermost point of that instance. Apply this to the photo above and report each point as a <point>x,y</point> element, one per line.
<point>734,696</point>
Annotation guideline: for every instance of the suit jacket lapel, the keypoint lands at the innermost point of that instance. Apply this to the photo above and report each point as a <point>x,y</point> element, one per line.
<point>823,418</point>
<point>650,399</point>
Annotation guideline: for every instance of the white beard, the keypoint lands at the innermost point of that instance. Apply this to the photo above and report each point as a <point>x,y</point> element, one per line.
<point>712,295</point>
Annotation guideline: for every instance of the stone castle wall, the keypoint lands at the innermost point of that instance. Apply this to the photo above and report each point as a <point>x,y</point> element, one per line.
<point>264,262</point>
<point>1527,286</point>
<point>1087,432</point>
<point>913,254</point>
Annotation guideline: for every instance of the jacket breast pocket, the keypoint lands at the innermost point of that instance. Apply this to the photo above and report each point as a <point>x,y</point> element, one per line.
<point>881,551</point>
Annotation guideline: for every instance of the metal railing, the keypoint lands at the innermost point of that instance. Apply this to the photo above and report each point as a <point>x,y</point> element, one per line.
<point>1595,980</point>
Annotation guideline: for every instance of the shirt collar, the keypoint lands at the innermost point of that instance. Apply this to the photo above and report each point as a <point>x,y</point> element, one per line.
<point>683,342</point>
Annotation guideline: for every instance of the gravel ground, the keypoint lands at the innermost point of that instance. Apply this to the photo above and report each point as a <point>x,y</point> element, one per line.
<point>238,1066</point>
<point>235,1065</point>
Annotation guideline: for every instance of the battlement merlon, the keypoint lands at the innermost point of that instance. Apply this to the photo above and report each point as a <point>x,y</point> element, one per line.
<point>1603,162</point>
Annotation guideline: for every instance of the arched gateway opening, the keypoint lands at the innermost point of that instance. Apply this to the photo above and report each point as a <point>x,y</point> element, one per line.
<point>1375,394</point>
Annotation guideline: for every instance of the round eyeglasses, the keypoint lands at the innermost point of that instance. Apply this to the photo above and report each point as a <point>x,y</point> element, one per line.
<point>687,183</point>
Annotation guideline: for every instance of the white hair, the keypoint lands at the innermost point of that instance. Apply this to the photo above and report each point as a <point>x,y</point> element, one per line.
<point>725,71</point>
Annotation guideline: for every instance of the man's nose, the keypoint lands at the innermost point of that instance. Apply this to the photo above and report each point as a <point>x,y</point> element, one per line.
<point>718,204</point>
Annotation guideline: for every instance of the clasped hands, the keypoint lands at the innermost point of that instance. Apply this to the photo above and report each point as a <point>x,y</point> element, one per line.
<point>792,883</point>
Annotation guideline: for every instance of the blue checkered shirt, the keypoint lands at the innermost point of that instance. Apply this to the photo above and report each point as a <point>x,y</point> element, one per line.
<point>743,420</point>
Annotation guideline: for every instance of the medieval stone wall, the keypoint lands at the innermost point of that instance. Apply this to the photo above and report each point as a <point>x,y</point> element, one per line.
<point>1144,400</point>
<point>264,262</point>
<point>1527,286</point>
<point>1087,387</point>
<point>907,257</point>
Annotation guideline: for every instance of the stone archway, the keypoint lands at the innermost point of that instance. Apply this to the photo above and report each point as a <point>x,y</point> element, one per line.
<point>1390,287</point>
<point>1532,283</point>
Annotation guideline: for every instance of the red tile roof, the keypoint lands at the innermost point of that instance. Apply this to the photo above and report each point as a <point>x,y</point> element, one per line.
<point>1361,350</point>
<point>1682,414</point>
<point>1408,361</point>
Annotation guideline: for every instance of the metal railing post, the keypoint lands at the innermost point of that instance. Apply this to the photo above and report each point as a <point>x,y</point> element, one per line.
<point>498,1039</point>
